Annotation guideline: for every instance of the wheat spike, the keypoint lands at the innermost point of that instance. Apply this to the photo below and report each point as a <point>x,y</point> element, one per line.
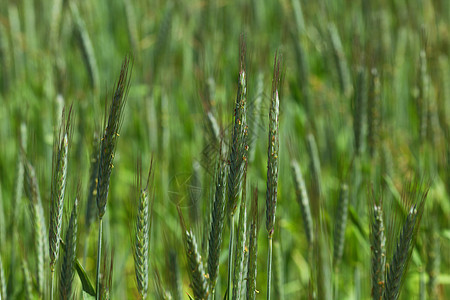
<point>111,134</point>
<point>38,222</point>
<point>378,246</point>
<point>240,250</point>
<point>239,138</point>
<point>404,244</point>
<point>253,248</point>
<point>217,222</point>
<point>67,268</point>
<point>141,240</point>
<point>303,201</point>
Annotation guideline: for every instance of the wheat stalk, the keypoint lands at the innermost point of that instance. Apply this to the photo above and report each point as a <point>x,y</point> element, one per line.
<point>238,153</point>
<point>108,147</point>
<point>2,219</point>
<point>278,276</point>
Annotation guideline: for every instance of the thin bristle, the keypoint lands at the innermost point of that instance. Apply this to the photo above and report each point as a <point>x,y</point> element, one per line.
<point>67,268</point>
<point>111,134</point>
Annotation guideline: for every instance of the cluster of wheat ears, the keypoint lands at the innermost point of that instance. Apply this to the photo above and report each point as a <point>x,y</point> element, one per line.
<point>389,259</point>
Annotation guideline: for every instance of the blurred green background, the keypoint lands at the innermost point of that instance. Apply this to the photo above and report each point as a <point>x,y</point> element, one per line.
<point>186,62</point>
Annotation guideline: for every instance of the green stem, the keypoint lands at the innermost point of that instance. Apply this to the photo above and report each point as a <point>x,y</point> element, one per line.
<point>51,284</point>
<point>269,267</point>
<point>99,254</point>
<point>230,256</point>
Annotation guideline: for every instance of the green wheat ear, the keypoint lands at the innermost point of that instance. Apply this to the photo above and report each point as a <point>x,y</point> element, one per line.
<point>197,274</point>
<point>253,248</point>
<point>238,152</point>
<point>107,150</point>
<point>272,165</point>
<point>240,250</point>
<point>67,269</point>
<point>58,186</point>
<point>303,201</point>
<point>217,222</point>
<point>38,222</point>
<point>141,236</point>
<point>415,198</point>
<point>378,247</point>
<point>340,224</point>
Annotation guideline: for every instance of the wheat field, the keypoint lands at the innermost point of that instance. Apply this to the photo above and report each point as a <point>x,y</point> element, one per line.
<point>211,150</point>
